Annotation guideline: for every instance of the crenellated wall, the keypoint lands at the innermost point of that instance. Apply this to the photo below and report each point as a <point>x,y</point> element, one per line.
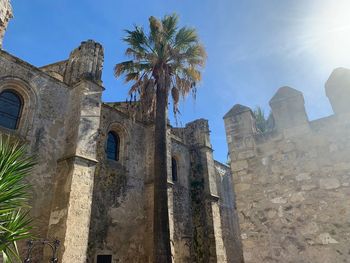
<point>292,183</point>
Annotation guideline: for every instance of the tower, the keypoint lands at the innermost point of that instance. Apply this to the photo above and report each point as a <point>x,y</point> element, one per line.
<point>5,16</point>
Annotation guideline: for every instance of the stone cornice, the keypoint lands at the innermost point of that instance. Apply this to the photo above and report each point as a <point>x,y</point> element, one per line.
<point>80,158</point>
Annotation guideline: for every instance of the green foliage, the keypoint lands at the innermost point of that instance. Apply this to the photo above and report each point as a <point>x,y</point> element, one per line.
<point>166,57</point>
<point>261,122</point>
<point>14,220</point>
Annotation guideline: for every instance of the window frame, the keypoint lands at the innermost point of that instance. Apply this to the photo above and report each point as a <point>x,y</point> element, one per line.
<point>116,137</point>
<point>21,107</point>
<point>174,168</point>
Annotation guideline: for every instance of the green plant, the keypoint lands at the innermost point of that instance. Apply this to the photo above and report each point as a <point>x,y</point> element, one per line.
<point>261,122</point>
<point>14,220</point>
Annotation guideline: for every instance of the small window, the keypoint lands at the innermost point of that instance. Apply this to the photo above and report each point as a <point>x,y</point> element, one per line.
<point>174,169</point>
<point>112,149</point>
<point>104,259</point>
<point>10,109</point>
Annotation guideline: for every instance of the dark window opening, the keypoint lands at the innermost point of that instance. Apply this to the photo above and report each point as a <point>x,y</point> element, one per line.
<point>10,109</point>
<point>104,259</point>
<point>174,169</point>
<point>112,149</point>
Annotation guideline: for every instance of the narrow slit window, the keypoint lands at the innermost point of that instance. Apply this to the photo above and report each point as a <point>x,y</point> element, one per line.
<point>104,259</point>
<point>112,149</point>
<point>10,109</point>
<point>174,169</point>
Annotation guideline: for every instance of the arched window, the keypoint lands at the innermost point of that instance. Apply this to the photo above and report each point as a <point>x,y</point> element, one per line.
<point>10,109</point>
<point>112,149</point>
<point>173,169</point>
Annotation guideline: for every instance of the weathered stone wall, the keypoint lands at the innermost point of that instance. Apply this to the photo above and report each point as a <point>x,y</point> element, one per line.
<point>292,183</point>
<point>209,197</point>
<point>43,116</point>
<point>118,213</point>
<point>122,203</point>
<point>180,213</point>
<point>59,123</point>
<point>229,219</point>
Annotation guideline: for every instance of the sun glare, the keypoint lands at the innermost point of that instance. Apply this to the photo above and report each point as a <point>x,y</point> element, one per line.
<point>327,30</point>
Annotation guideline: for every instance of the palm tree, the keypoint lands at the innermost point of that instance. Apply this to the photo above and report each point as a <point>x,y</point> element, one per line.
<point>166,61</point>
<point>14,222</point>
<point>261,122</point>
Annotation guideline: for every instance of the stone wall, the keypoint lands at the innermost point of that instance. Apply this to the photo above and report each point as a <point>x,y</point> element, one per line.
<point>118,213</point>
<point>292,182</point>
<point>180,210</point>
<point>229,218</point>
<point>59,123</point>
<point>43,115</point>
<point>121,221</point>
<point>212,203</point>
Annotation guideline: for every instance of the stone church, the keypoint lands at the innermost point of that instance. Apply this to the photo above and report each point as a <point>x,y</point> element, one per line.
<point>92,186</point>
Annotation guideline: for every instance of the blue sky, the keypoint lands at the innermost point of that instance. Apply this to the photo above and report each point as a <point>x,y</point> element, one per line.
<point>254,47</point>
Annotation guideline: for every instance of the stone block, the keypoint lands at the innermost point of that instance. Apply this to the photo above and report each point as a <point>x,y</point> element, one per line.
<point>239,165</point>
<point>329,183</point>
<point>303,177</point>
<point>241,187</point>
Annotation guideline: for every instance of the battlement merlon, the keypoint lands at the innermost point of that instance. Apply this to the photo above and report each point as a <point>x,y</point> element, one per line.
<point>240,126</point>
<point>338,90</point>
<point>288,110</point>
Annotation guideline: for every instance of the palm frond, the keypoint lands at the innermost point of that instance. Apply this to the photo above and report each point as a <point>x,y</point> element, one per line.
<point>14,220</point>
<point>131,66</point>
<point>137,39</point>
<point>167,51</point>
<point>185,37</point>
<point>156,30</point>
<point>170,26</point>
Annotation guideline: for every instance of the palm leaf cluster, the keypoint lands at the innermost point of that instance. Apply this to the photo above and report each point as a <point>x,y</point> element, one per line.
<point>263,124</point>
<point>260,119</point>
<point>167,57</point>
<point>14,222</point>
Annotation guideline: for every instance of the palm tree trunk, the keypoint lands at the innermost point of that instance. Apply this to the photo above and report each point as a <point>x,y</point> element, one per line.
<point>162,251</point>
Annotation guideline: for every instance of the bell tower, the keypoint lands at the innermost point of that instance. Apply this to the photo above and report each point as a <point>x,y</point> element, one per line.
<point>5,16</point>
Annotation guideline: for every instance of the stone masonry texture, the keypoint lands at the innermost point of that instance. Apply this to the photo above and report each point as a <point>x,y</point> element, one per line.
<point>292,183</point>
<point>97,206</point>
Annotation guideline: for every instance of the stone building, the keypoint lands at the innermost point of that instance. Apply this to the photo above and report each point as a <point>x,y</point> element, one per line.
<point>293,182</point>
<point>92,186</point>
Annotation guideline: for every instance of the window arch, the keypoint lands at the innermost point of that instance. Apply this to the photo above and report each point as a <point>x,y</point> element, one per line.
<point>113,145</point>
<point>173,169</point>
<point>11,105</point>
